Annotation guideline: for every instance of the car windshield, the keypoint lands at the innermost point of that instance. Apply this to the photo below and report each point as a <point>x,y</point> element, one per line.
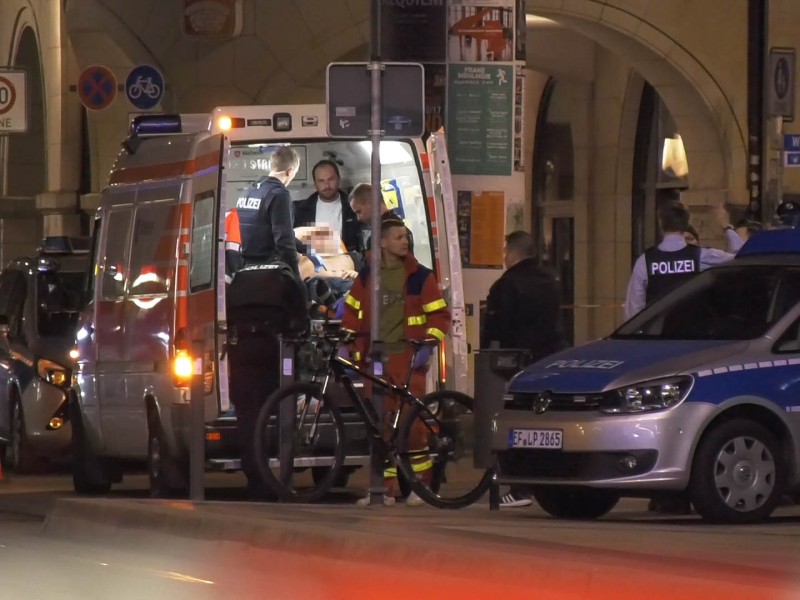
<point>728,303</point>
<point>58,302</point>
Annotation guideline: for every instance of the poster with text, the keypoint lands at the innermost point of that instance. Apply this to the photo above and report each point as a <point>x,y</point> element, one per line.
<point>480,31</point>
<point>519,118</point>
<point>435,96</point>
<point>413,31</point>
<point>481,227</point>
<point>480,119</point>
<point>521,32</point>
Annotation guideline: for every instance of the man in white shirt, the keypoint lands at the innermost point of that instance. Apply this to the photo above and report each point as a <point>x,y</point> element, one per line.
<point>329,205</point>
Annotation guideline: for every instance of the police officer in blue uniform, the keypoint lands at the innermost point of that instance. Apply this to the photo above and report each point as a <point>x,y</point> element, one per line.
<point>669,264</point>
<point>265,213</point>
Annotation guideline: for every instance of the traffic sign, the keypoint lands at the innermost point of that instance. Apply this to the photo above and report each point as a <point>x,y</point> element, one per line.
<point>780,83</point>
<point>97,87</point>
<point>349,100</point>
<point>791,141</point>
<point>144,87</point>
<point>13,106</point>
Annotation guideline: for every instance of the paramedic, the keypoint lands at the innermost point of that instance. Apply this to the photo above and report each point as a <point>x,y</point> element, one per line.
<point>412,308</point>
<point>265,213</point>
<point>361,203</point>
<point>329,205</point>
<point>673,261</point>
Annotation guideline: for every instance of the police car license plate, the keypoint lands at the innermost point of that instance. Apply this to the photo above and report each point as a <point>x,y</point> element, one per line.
<point>549,439</point>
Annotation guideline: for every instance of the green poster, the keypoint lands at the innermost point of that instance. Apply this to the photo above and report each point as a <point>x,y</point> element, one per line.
<point>480,118</point>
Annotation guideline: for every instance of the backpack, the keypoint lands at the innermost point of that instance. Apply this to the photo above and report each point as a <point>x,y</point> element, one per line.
<point>267,299</point>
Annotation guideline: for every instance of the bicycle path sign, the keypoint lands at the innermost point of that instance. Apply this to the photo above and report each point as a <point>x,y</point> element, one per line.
<point>97,87</point>
<point>144,87</point>
<point>13,116</point>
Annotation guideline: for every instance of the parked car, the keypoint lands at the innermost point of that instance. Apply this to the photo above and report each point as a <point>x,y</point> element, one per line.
<point>697,396</point>
<point>40,298</point>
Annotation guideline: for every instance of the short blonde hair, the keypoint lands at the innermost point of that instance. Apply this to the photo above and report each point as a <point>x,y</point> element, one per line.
<point>361,194</point>
<point>283,159</point>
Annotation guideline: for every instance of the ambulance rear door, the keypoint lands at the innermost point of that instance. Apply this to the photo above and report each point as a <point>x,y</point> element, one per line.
<point>201,283</point>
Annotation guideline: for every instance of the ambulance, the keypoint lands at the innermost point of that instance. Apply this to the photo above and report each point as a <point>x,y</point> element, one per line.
<point>157,276</point>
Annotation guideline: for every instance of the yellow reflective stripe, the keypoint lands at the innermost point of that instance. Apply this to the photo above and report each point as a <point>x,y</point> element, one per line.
<point>352,302</point>
<point>356,356</point>
<point>423,466</point>
<point>437,333</point>
<point>390,472</point>
<point>421,320</point>
<point>435,305</point>
<point>360,315</point>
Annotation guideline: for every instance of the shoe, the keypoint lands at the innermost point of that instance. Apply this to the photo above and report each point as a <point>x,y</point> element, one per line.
<point>512,501</point>
<point>387,501</point>
<point>414,500</point>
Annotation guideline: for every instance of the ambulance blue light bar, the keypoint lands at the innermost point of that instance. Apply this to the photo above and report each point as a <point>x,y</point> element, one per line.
<point>773,241</point>
<point>155,125</point>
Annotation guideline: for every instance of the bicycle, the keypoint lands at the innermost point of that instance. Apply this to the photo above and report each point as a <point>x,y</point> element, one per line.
<point>312,433</point>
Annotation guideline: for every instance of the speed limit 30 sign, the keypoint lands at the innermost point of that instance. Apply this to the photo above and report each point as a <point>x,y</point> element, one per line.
<point>13,106</point>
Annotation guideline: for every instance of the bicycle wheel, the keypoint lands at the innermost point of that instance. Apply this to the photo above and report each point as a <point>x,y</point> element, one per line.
<point>443,473</point>
<point>315,439</point>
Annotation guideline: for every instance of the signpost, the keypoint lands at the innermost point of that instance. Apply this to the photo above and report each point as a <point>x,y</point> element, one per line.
<point>402,113</point>
<point>97,87</point>
<point>144,87</point>
<point>13,105</point>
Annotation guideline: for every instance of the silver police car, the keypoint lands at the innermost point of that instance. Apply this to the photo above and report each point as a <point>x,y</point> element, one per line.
<point>697,396</point>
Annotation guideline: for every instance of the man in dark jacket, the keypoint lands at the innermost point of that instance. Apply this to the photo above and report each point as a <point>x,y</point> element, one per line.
<point>523,311</point>
<point>265,213</point>
<point>329,205</point>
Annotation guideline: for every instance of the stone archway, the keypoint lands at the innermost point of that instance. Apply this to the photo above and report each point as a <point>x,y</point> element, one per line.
<point>26,174</point>
<point>714,134</point>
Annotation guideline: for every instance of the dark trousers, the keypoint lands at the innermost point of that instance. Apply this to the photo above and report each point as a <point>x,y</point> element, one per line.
<point>254,375</point>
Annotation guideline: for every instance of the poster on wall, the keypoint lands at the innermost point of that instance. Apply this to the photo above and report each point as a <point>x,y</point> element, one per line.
<point>480,119</point>
<point>480,217</point>
<point>480,31</point>
<point>521,31</point>
<point>413,31</point>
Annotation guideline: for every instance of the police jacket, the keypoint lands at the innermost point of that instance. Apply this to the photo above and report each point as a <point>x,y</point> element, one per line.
<point>668,269</point>
<point>425,311</point>
<point>637,296</point>
<point>305,213</point>
<point>265,220</point>
<point>523,310</point>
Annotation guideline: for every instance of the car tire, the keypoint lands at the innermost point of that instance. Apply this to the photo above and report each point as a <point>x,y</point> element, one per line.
<point>167,475</point>
<point>88,476</point>
<point>20,456</point>
<point>738,473</point>
<point>575,503</point>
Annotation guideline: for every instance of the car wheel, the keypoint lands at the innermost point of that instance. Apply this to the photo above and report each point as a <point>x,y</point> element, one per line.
<point>738,473</point>
<point>20,456</point>
<point>567,503</point>
<point>167,477</point>
<point>88,476</point>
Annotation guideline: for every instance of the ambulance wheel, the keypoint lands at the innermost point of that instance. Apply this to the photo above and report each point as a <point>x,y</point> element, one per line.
<point>88,476</point>
<point>572,503</point>
<point>165,472</point>
<point>738,474</point>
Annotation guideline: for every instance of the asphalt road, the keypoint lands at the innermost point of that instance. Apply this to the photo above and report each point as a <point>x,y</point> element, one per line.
<point>470,553</point>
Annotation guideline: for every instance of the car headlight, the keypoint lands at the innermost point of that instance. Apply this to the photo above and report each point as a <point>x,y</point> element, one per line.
<point>53,372</point>
<point>657,394</point>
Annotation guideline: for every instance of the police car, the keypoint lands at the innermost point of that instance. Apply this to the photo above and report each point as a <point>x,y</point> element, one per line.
<point>697,396</point>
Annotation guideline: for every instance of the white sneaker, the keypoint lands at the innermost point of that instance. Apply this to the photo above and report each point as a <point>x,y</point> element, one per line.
<point>387,501</point>
<point>414,500</point>
<point>512,501</point>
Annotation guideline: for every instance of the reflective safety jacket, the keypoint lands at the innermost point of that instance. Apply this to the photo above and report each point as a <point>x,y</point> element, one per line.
<point>233,244</point>
<point>425,312</point>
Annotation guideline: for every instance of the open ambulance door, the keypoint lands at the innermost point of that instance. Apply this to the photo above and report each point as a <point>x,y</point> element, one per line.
<point>455,361</point>
<point>201,286</point>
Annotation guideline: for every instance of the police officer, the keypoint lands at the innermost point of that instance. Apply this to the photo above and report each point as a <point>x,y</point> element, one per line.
<point>265,213</point>
<point>673,261</point>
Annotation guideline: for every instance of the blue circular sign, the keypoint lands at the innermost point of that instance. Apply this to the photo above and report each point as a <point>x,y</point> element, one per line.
<point>144,87</point>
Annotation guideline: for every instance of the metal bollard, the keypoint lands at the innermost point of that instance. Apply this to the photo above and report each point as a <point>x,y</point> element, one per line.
<point>377,489</point>
<point>286,413</point>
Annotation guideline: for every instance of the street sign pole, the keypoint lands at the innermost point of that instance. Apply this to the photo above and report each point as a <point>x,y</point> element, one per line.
<point>377,488</point>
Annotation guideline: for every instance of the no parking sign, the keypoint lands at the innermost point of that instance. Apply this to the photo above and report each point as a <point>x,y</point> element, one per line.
<point>13,116</point>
